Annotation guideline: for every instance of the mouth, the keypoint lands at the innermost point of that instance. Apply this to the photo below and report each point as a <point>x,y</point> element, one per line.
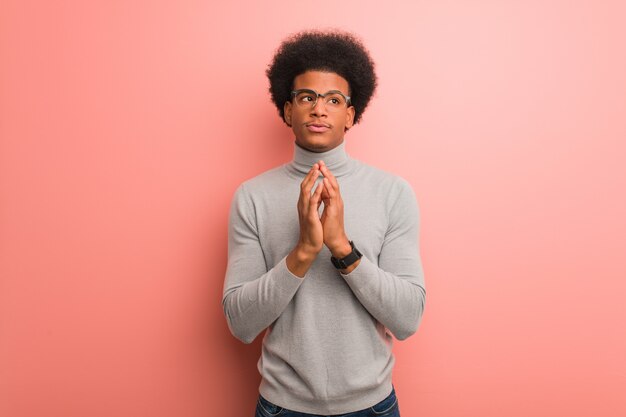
<point>317,127</point>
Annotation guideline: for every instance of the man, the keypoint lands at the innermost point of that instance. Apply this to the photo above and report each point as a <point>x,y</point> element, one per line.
<point>323,251</point>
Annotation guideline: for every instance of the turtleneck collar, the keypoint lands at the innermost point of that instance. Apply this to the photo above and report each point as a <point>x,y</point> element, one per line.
<point>336,159</point>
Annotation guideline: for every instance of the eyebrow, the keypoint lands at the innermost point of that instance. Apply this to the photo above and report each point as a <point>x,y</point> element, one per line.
<point>329,91</point>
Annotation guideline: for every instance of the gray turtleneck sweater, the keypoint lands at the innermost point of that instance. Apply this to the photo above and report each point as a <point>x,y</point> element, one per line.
<point>328,344</point>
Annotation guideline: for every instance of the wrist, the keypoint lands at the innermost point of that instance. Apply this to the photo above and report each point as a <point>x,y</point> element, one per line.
<point>341,249</point>
<point>348,262</point>
<point>305,253</point>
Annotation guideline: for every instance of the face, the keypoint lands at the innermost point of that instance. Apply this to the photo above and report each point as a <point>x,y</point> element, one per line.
<point>319,128</point>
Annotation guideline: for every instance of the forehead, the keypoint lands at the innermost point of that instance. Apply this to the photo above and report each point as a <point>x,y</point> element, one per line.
<point>321,81</point>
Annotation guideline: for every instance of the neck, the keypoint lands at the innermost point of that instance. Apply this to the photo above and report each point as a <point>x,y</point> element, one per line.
<point>336,159</point>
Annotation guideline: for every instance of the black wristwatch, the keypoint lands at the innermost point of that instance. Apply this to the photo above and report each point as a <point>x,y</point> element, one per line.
<point>346,261</point>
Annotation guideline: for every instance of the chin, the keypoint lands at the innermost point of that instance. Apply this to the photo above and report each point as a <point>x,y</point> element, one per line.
<point>318,144</point>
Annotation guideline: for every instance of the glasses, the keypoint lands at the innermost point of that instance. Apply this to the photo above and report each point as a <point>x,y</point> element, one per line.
<point>334,100</point>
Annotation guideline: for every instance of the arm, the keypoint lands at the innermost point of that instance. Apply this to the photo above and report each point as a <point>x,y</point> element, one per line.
<point>394,291</point>
<point>254,297</point>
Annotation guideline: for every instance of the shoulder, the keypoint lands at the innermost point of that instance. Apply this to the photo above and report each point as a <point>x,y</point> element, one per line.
<point>263,182</point>
<point>250,192</point>
<point>391,191</point>
<point>391,184</point>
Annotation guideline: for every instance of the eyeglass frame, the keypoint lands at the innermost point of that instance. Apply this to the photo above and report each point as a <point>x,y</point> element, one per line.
<point>294,93</point>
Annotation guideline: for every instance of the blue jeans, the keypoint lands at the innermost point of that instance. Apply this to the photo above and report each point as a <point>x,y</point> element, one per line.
<point>386,408</point>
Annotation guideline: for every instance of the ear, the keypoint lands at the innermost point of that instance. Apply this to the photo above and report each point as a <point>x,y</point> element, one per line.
<point>349,118</point>
<point>287,112</point>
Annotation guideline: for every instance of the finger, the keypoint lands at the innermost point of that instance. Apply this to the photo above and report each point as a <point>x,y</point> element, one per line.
<point>312,174</point>
<point>316,196</point>
<point>305,188</point>
<point>309,181</point>
<point>328,174</point>
<point>332,192</point>
<point>325,195</point>
<point>315,201</point>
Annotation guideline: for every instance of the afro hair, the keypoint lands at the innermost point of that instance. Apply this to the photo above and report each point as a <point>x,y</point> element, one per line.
<point>330,51</point>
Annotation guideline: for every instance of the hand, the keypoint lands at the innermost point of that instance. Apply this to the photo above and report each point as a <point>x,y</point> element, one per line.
<point>311,238</point>
<point>332,218</point>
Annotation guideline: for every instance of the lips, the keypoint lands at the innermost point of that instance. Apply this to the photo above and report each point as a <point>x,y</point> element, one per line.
<point>317,127</point>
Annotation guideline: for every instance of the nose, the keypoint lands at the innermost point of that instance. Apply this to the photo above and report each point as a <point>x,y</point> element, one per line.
<point>320,108</point>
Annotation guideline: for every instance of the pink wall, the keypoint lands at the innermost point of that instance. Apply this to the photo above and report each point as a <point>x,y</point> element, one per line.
<point>126,126</point>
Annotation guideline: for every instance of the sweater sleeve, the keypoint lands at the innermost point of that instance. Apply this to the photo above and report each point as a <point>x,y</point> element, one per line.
<point>254,296</point>
<point>394,291</point>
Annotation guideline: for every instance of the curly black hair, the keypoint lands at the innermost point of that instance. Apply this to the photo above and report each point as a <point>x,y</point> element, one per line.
<point>331,51</point>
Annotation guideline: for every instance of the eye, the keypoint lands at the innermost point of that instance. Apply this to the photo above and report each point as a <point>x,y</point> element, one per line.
<point>305,97</point>
<point>334,100</point>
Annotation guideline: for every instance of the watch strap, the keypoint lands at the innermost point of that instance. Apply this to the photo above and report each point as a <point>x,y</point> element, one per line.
<point>348,260</point>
